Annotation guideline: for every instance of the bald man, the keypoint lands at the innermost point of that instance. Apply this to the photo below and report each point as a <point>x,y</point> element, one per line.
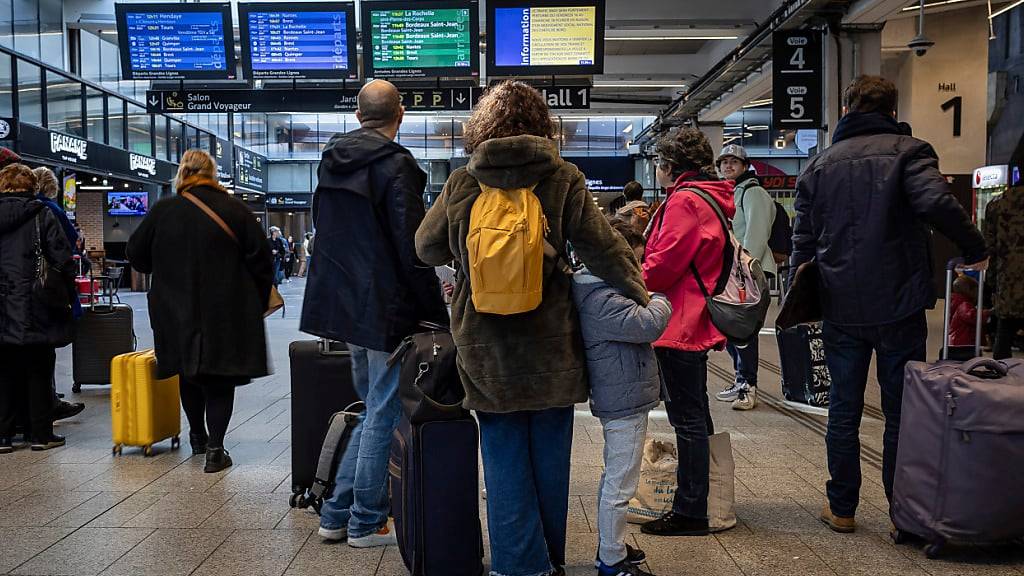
<point>369,290</point>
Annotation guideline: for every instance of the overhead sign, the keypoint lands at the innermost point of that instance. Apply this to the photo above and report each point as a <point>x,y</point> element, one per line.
<point>283,202</point>
<point>300,41</point>
<point>70,150</point>
<point>321,100</point>
<point>991,176</point>
<point>423,39</point>
<point>170,41</point>
<point>797,80</point>
<point>250,170</point>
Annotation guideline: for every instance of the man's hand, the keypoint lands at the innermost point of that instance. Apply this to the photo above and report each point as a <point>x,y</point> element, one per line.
<point>977,266</point>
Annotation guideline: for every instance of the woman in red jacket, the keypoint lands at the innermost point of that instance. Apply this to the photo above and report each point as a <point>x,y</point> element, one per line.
<point>685,235</point>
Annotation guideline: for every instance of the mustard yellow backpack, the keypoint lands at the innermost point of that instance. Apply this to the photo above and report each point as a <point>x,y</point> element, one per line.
<point>506,250</point>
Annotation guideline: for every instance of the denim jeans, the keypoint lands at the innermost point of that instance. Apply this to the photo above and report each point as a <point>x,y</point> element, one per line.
<point>623,454</point>
<point>745,362</point>
<point>848,355</point>
<point>689,413</point>
<point>526,471</point>
<point>360,496</point>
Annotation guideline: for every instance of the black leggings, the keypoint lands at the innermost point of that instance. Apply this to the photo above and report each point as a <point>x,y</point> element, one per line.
<point>212,399</point>
<point>26,379</point>
<point>1006,333</point>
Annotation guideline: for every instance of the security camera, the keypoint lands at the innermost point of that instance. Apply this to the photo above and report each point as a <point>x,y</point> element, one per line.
<point>920,44</point>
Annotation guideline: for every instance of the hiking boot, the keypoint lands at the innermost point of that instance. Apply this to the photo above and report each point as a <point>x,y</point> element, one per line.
<point>624,568</point>
<point>633,556</point>
<point>67,409</point>
<point>746,399</point>
<point>730,393</point>
<point>48,443</point>
<point>383,537</point>
<point>333,534</point>
<point>841,524</point>
<point>6,446</point>
<point>198,441</point>
<point>217,459</point>
<point>672,524</point>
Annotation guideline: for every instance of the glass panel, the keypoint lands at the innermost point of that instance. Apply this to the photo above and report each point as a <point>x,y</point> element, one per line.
<point>175,141</point>
<point>279,129</point>
<point>458,125</point>
<point>602,133</point>
<point>305,136</point>
<point>51,32</point>
<point>89,51</point>
<point>6,24</point>
<point>161,137</point>
<point>290,177</point>
<point>204,142</point>
<point>626,130</point>
<point>191,138</point>
<point>30,109</point>
<point>115,121</point>
<point>139,130</point>
<point>26,27</point>
<point>110,67</point>
<point>64,104</point>
<point>413,132</point>
<point>574,135</point>
<point>94,114</point>
<point>439,133</point>
<point>329,125</point>
<point>6,83</point>
<point>253,129</point>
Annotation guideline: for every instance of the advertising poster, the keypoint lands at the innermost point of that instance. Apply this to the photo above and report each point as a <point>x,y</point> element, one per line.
<point>70,194</point>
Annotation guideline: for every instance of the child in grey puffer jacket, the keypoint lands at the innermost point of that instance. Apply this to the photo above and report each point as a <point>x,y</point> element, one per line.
<point>625,384</point>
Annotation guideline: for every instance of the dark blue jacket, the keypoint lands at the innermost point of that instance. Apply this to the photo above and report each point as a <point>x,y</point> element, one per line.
<point>863,209</point>
<point>366,286</point>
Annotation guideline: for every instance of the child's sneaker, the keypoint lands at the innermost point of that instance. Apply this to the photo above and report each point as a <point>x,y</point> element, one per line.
<point>633,556</point>
<point>383,537</point>
<point>623,568</point>
<point>333,535</point>
<point>730,393</point>
<point>747,399</point>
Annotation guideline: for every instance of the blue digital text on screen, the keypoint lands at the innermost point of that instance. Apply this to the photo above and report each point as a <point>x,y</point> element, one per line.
<point>181,41</point>
<point>512,36</point>
<point>298,40</point>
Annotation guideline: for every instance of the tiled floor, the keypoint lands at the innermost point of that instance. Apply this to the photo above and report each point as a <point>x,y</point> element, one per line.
<point>78,510</point>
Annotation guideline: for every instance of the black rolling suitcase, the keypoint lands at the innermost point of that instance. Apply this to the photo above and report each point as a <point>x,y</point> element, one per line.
<point>434,469</point>
<point>805,376</point>
<point>321,373</point>
<point>103,331</point>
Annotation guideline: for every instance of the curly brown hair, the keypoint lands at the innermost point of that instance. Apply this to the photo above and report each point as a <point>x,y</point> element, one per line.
<point>511,108</point>
<point>685,149</point>
<point>17,178</point>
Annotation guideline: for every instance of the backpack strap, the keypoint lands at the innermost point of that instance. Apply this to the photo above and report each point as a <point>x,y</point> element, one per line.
<point>727,252</point>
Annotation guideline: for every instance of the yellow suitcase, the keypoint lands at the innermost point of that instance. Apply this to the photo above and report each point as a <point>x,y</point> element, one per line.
<point>143,410</point>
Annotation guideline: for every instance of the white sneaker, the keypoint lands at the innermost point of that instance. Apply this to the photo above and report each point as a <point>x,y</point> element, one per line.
<point>333,535</point>
<point>383,537</point>
<point>746,399</point>
<point>730,393</point>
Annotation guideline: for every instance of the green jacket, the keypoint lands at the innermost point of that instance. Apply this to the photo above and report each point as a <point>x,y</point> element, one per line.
<point>755,214</point>
<point>534,360</point>
<point>1004,237</point>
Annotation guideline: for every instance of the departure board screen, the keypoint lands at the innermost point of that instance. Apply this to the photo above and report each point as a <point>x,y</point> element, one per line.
<point>176,41</point>
<point>309,40</point>
<point>421,39</point>
<point>545,37</point>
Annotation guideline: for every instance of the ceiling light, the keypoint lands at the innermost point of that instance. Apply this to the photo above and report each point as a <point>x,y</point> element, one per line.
<point>1005,9</point>
<point>627,129</point>
<point>933,4</point>
<point>755,103</point>
<point>643,38</point>
<point>606,85</point>
<point>95,187</point>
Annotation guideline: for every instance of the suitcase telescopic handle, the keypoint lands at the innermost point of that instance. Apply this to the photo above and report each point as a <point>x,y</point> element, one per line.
<point>326,350</point>
<point>951,267</point>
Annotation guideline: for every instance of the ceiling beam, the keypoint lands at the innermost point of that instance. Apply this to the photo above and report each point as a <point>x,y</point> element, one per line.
<point>755,86</point>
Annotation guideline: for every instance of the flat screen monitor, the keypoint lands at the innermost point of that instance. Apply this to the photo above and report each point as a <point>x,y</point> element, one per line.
<point>127,203</point>
<point>411,39</point>
<point>176,41</point>
<point>309,40</point>
<point>545,37</point>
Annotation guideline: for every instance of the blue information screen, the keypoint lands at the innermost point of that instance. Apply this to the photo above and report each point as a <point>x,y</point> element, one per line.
<point>177,45</point>
<point>291,43</point>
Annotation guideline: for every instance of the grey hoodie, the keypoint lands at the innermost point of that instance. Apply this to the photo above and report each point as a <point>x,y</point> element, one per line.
<point>617,333</point>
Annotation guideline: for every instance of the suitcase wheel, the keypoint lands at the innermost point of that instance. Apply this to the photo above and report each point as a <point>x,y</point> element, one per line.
<point>294,500</point>
<point>147,451</point>
<point>76,388</point>
<point>933,550</point>
<point>175,443</point>
<point>116,450</point>
<point>899,536</point>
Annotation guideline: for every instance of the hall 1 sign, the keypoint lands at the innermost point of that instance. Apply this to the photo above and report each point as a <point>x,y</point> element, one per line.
<point>797,80</point>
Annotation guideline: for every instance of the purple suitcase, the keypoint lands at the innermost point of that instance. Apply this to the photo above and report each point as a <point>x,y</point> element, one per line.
<point>961,453</point>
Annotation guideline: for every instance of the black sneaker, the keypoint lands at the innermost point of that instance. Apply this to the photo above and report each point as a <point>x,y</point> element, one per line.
<point>67,409</point>
<point>6,446</point>
<point>672,524</point>
<point>624,568</point>
<point>54,441</point>
<point>217,459</point>
<point>633,556</point>
<point>198,441</point>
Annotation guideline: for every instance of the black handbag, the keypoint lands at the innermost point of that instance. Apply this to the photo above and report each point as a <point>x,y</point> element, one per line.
<point>429,385</point>
<point>51,287</point>
<point>802,304</point>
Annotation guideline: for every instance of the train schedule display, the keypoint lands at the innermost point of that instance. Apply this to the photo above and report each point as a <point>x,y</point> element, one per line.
<point>176,41</point>
<point>420,39</point>
<point>312,40</point>
<point>545,37</point>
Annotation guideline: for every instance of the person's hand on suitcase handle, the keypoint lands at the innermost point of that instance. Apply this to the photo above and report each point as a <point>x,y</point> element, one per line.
<point>959,265</point>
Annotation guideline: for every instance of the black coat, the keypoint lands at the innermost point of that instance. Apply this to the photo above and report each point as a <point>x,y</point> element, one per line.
<point>26,315</point>
<point>863,209</point>
<point>208,293</point>
<point>366,286</point>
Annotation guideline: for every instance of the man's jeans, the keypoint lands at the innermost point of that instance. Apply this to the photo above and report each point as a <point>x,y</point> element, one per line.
<point>745,362</point>
<point>526,471</point>
<point>848,355</point>
<point>623,453</point>
<point>689,413</point>
<point>360,496</point>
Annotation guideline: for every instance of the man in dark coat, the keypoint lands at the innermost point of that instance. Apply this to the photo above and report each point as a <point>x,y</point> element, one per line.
<point>367,288</point>
<point>863,208</point>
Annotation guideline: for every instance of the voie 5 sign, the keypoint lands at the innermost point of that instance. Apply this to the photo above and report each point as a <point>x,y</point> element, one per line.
<point>797,83</point>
